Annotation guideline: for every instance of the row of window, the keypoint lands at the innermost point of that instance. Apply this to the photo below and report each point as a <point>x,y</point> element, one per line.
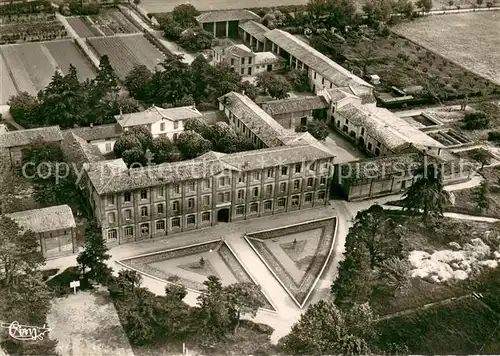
<point>162,125</point>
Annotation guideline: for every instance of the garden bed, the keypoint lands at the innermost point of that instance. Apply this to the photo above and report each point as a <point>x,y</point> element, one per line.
<point>144,264</point>
<point>310,263</point>
<point>33,31</point>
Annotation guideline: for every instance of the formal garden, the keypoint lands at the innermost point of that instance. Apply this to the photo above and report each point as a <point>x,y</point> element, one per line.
<point>296,255</point>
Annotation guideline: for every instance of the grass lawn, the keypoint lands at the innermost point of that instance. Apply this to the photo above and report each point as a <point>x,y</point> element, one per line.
<point>461,327</point>
<point>296,254</point>
<point>455,38</point>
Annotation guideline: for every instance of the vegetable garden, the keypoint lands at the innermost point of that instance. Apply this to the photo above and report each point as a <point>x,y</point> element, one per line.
<point>28,32</point>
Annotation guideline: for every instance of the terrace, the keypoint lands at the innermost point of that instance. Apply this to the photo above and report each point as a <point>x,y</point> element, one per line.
<point>450,138</point>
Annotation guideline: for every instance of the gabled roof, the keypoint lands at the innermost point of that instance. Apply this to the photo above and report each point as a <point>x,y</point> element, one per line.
<point>267,58</point>
<point>304,103</point>
<point>77,151</point>
<point>255,119</point>
<point>380,167</point>
<point>338,94</point>
<point>227,15</point>
<point>98,132</point>
<point>239,50</point>
<point>314,59</point>
<point>386,127</point>
<point>20,138</point>
<point>155,114</point>
<point>254,28</point>
<point>47,219</point>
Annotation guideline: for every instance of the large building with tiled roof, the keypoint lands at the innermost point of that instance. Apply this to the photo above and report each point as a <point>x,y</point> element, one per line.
<point>224,23</point>
<point>252,33</point>
<point>293,112</point>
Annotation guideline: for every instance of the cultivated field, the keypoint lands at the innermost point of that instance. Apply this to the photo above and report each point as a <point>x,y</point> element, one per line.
<point>471,39</point>
<point>125,52</point>
<point>109,22</point>
<point>32,65</point>
<point>7,87</point>
<point>83,27</point>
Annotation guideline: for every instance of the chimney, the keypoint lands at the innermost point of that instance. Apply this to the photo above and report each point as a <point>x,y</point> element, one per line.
<point>243,92</point>
<point>246,164</point>
<point>194,106</point>
<point>121,113</point>
<point>91,125</point>
<point>439,151</point>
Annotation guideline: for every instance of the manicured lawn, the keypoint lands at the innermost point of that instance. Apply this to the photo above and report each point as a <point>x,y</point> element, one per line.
<point>461,327</point>
<point>455,37</point>
<point>296,255</point>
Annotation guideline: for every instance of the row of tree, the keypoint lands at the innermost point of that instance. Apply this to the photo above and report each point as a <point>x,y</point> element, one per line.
<point>68,102</point>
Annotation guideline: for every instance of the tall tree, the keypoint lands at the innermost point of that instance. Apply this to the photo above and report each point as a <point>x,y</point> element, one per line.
<point>105,81</point>
<point>24,109</point>
<point>424,5</point>
<point>395,275</point>
<point>191,144</point>
<point>482,196</point>
<point>138,81</point>
<point>185,14</point>
<point>94,255</point>
<point>276,85</point>
<point>162,149</point>
<point>324,329</point>
<point>242,298</point>
<point>173,83</point>
<point>427,194</point>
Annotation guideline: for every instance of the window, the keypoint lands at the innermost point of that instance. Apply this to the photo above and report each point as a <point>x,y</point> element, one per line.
<point>207,183</point>
<point>321,195</point>
<point>268,205</point>
<point>298,168</point>
<point>369,146</point>
<point>160,225</point>
<point>206,200</point>
<point>127,197</point>
<point>362,131</point>
<point>322,180</point>
<point>249,71</point>
<point>269,190</point>
<point>144,211</point>
<point>282,187</point>
<point>128,214</point>
<point>255,191</point>
<point>111,200</point>
<point>128,231</point>
<point>254,208</point>
<point>177,189</point>
<point>295,200</point>
<point>308,197</point>
<point>144,194</point>
<point>112,234</point>
<point>176,222</point>
<point>270,173</point>
<point>242,70</point>
<point>220,197</point>
<point>191,219</point>
<point>312,167</point>
<point>296,184</point>
<point>162,126</point>
<point>346,121</point>
<point>323,81</point>
<point>160,209</point>
<point>377,151</point>
<point>190,203</point>
<point>232,61</point>
<point>159,192</point>
<point>108,148</point>
<point>378,144</point>
<point>175,137</point>
<point>310,182</point>
<point>243,61</point>
<point>314,75</point>
<point>284,171</point>
<point>241,179</point>
<point>227,196</point>
<point>250,60</point>
<point>111,218</point>
<point>282,202</point>
<point>205,216</point>
<point>222,182</point>
<point>145,228</point>
<point>256,175</point>
<point>191,187</point>
<point>240,210</point>
<point>241,194</point>
<point>176,125</point>
<point>175,206</point>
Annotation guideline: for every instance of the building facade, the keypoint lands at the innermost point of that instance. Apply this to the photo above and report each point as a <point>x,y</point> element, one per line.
<point>294,112</point>
<point>225,23</point>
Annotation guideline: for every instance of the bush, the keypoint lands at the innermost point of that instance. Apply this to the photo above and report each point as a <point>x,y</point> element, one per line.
<point>476,120</point>
<point>60,283</point>
<point>196,39</point>
<point>494,136</point>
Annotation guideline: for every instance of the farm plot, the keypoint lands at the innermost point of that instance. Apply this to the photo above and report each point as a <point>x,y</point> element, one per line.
<point>33,64</point>
<point>82,27</point>
<point>7,87</point>
<point>470,39</point>
<point>125,52</point>
<point>114,22</point>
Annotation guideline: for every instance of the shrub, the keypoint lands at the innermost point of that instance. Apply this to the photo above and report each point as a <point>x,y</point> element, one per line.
<point>476,120</point>
<point>494,136</point>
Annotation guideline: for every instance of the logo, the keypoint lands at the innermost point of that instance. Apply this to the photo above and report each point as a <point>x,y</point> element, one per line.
<point>25,332</point>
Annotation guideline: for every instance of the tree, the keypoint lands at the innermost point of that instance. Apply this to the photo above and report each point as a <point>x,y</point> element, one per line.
<point>242,298</point>
<point>427,194</point>
<point>317,128</point>
<point>276,85</point>
<point>196,39</point>
<point>476,120</point>
<point>185,15</point>
<point>94,255</point>
<point>479,2</point>
<point>173,83</point>
<point>198,125</point>
<point>11,186</point>
<point>395,275</point>
<point>104,82</point>
<point>191,144</point>
<point>134,156</point>
<point>248,89</point>
<point>172,30</point>
<point>378,10</point>
<point>324,329</point>
<point>405,8</point>
<point>162,149</point>
<point>132,145</point>
<point>482,157</point>
<point>136,3</point>
<point>333,13</point>
<point>125,142</point>
<point>482,196</point>
<point>24,108</point>
<point>137,82</point>
<point>299,79</point>
<point>128,280</point>
<point>424,5</point>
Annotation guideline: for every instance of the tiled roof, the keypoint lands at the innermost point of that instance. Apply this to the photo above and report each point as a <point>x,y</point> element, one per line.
<point>155,114</point>
<point>267,58</point>
<point>304,103</point>
<point>386,127</point>
<point>255,119</point>
<point>256,29</point>
<point>239,50</point>
<point>314,59</point>
<point>113,176</point>
<point>47,219</point>
<point>99,132</point>
<point>77,151</point>
<point>25,137</point>
<point>227,15</point>
<point>382,166</point>
<point>337,94</point>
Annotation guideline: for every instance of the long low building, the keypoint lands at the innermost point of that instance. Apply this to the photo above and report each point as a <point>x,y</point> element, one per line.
<point>55,227</point>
